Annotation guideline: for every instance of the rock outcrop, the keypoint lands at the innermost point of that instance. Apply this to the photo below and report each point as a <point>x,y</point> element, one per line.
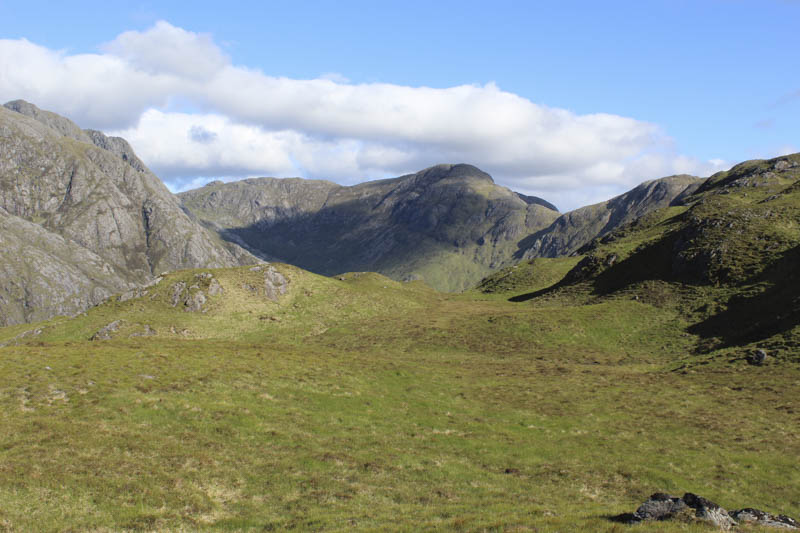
<point>574,229</point>
<point>691,507</point>
<point>92,211</point>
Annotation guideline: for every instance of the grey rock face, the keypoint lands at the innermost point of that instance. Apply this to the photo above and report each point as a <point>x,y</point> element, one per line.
<point>275,284</point>
<point>692,507</point>
<point>193,298</point>
<point>709,511</point>
<point>104,333</point>
<point>575,229</point>
<point>94,193</point>
<point>764,519</point>
<point>659,507</point>
<point>42,274</point>
<point>448,224</point>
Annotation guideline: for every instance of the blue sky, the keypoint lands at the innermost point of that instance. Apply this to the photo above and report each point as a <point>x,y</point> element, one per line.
<point>616,92</point>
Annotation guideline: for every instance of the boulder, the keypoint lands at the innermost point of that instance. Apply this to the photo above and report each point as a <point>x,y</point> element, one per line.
<point>758,357</point>
<point>275,284</point>
<point>104,333</point>
<point>761,518</point>
<point>691,507</point>
<point>660,506</point>
<point>709,511</point>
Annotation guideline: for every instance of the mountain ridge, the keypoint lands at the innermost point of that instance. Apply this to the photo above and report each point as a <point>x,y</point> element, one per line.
<point>91,190</point>
<point>449,224</point>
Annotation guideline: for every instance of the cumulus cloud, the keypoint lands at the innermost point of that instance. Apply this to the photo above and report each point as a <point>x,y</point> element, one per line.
<point>253,123</point>
<point>165,49</point>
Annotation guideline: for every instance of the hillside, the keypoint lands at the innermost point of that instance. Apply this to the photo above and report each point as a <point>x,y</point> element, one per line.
<point>576,228</point>
<point>101,220</point>
<point>725,260</point>
<point>449,224</point>
<point>270,398</point>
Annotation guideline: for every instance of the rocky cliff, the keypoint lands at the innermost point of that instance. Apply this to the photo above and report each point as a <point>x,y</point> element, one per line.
<point>82,203</point>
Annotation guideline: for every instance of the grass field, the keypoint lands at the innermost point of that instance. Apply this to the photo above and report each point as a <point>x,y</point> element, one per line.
<point>366,404</point>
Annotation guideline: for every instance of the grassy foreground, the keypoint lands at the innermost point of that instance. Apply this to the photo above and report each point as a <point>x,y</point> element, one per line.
<point>366,404</point>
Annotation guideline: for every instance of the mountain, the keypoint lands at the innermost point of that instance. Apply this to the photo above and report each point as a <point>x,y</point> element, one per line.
<point>450,225</point>
<point>724,257</point>
<point>82,217</point>
<point>572,230</point>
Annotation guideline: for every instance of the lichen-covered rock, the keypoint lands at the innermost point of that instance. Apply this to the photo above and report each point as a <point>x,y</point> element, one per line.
<point>764,519</point>
<point>692,507</point>
<point>275,284</point>
<point>178,293</point>
<point>214,288</point>
<point>709,511</point>
<point>195,302</point>
<point>660,506</point>
<point>104,333</point>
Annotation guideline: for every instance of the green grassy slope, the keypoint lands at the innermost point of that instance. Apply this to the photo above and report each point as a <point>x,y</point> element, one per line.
<point>726,261</point>
<point>360,403</point>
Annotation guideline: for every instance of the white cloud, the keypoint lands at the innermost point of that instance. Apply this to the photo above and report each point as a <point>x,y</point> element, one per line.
<point>165,49</point>
<point>253,123</point>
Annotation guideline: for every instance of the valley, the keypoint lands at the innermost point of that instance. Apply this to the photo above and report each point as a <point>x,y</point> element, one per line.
<point>575,364</point>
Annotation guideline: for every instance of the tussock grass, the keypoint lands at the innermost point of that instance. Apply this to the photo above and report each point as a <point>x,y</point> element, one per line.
<point>360,403</point>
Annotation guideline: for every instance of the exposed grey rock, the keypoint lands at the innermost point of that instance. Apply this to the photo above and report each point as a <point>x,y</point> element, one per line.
<point>709,511</point>
<point>450,224</point>
<point>660,506</point>
<point>93,193</point>
<point>62,125</point>
<point>25,334</point>
<point>42,274</point>
<point>757,357</point>
<point>275,284</point>
<point>214,288</point>
<point>178,293</point>
<point>104,333</point>
<point>195,302</point>
<point>764,519</point>
<point>574,229</point>
<point>138,292</point>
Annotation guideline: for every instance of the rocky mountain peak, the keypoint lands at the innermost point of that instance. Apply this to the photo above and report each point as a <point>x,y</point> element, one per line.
<point>62,125</point>
<point>460,171</point>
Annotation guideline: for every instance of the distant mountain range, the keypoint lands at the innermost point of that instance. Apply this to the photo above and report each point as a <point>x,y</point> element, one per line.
<point>450,225</point>
<point>82,218</point>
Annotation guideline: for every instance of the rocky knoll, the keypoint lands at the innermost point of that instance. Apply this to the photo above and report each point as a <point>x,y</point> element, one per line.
<point>576,228</point>
<point>726,260</point>
<point>693,508</point>
<point>82,217</point>
<point>448,224</point>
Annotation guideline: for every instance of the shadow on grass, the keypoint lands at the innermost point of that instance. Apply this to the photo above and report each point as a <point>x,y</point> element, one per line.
<point>751,318</point>
<point>623,518</point>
